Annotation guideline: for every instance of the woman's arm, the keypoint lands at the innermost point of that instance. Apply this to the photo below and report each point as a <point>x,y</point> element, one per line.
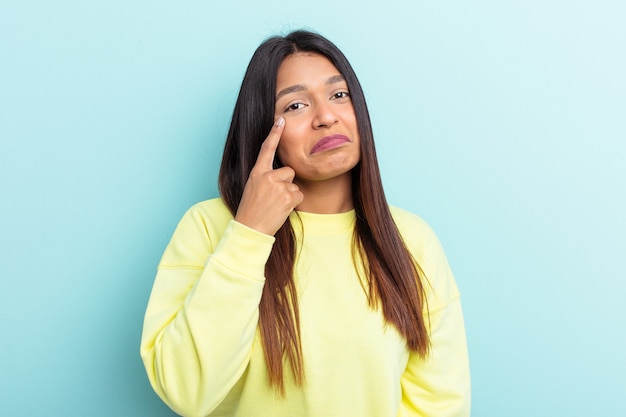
<point>440,385</point>
<point>203,312</point>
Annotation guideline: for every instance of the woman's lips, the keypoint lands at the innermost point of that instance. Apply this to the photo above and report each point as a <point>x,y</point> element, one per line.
<point>329,142</point>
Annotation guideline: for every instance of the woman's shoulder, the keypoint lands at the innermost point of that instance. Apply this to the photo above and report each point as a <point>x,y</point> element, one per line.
<point>213,212</point>
<point>197,233</point>
<point>413,228</point>
<point>206,219</point>
<point>427,251</point>
<point>212,208</point>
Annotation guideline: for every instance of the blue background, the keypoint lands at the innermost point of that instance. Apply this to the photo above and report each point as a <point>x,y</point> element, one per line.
<point>503,124</point>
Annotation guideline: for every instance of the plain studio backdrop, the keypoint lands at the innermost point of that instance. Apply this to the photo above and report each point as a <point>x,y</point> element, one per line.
<point>503,124</point>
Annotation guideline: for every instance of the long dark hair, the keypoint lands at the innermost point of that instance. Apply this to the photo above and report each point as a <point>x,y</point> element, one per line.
<point>393,276</point>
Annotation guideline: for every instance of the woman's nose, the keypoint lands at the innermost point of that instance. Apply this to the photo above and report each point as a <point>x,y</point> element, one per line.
<point>324,116</point>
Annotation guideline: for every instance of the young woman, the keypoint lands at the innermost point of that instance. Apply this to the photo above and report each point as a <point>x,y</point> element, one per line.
<point>301,292</point>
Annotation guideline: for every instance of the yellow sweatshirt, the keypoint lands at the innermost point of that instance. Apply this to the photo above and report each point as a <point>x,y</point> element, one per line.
<point>202,350</point>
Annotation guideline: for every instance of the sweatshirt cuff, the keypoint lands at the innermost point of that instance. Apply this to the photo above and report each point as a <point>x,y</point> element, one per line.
<point>244,250</point>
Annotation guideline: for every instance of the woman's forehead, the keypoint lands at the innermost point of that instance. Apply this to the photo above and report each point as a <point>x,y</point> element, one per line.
<point>305,70</point>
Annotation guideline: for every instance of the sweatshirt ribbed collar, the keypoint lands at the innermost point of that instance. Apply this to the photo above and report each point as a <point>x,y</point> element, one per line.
<point>323,223</point>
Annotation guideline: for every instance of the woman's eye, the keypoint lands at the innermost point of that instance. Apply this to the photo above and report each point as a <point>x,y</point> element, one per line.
<point>294,106</point>
<point>340,95</point>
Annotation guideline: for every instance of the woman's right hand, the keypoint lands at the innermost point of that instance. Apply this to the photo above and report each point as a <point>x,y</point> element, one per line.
<point>270,194</point>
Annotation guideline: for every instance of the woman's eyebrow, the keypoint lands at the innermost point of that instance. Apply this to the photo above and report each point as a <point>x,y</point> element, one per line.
<point>292,89</point>
<point>301,87</point>
<point>335,79</point>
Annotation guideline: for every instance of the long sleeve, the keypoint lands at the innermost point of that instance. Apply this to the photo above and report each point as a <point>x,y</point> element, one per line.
<point>203,310</point>
<point>438,386</point>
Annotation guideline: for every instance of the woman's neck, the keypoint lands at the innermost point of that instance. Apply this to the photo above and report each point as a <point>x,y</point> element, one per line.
<point>327,196</point>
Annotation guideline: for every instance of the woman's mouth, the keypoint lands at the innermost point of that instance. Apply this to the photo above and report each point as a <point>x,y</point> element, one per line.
<point>329,142</point>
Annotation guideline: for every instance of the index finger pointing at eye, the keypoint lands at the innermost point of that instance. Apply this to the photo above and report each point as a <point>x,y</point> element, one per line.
<point>265,160</point>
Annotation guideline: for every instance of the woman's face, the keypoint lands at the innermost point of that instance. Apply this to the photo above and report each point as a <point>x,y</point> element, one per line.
<point>320,140</point>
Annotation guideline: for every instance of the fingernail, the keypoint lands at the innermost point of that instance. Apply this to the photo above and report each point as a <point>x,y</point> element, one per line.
<point>279,122</point>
